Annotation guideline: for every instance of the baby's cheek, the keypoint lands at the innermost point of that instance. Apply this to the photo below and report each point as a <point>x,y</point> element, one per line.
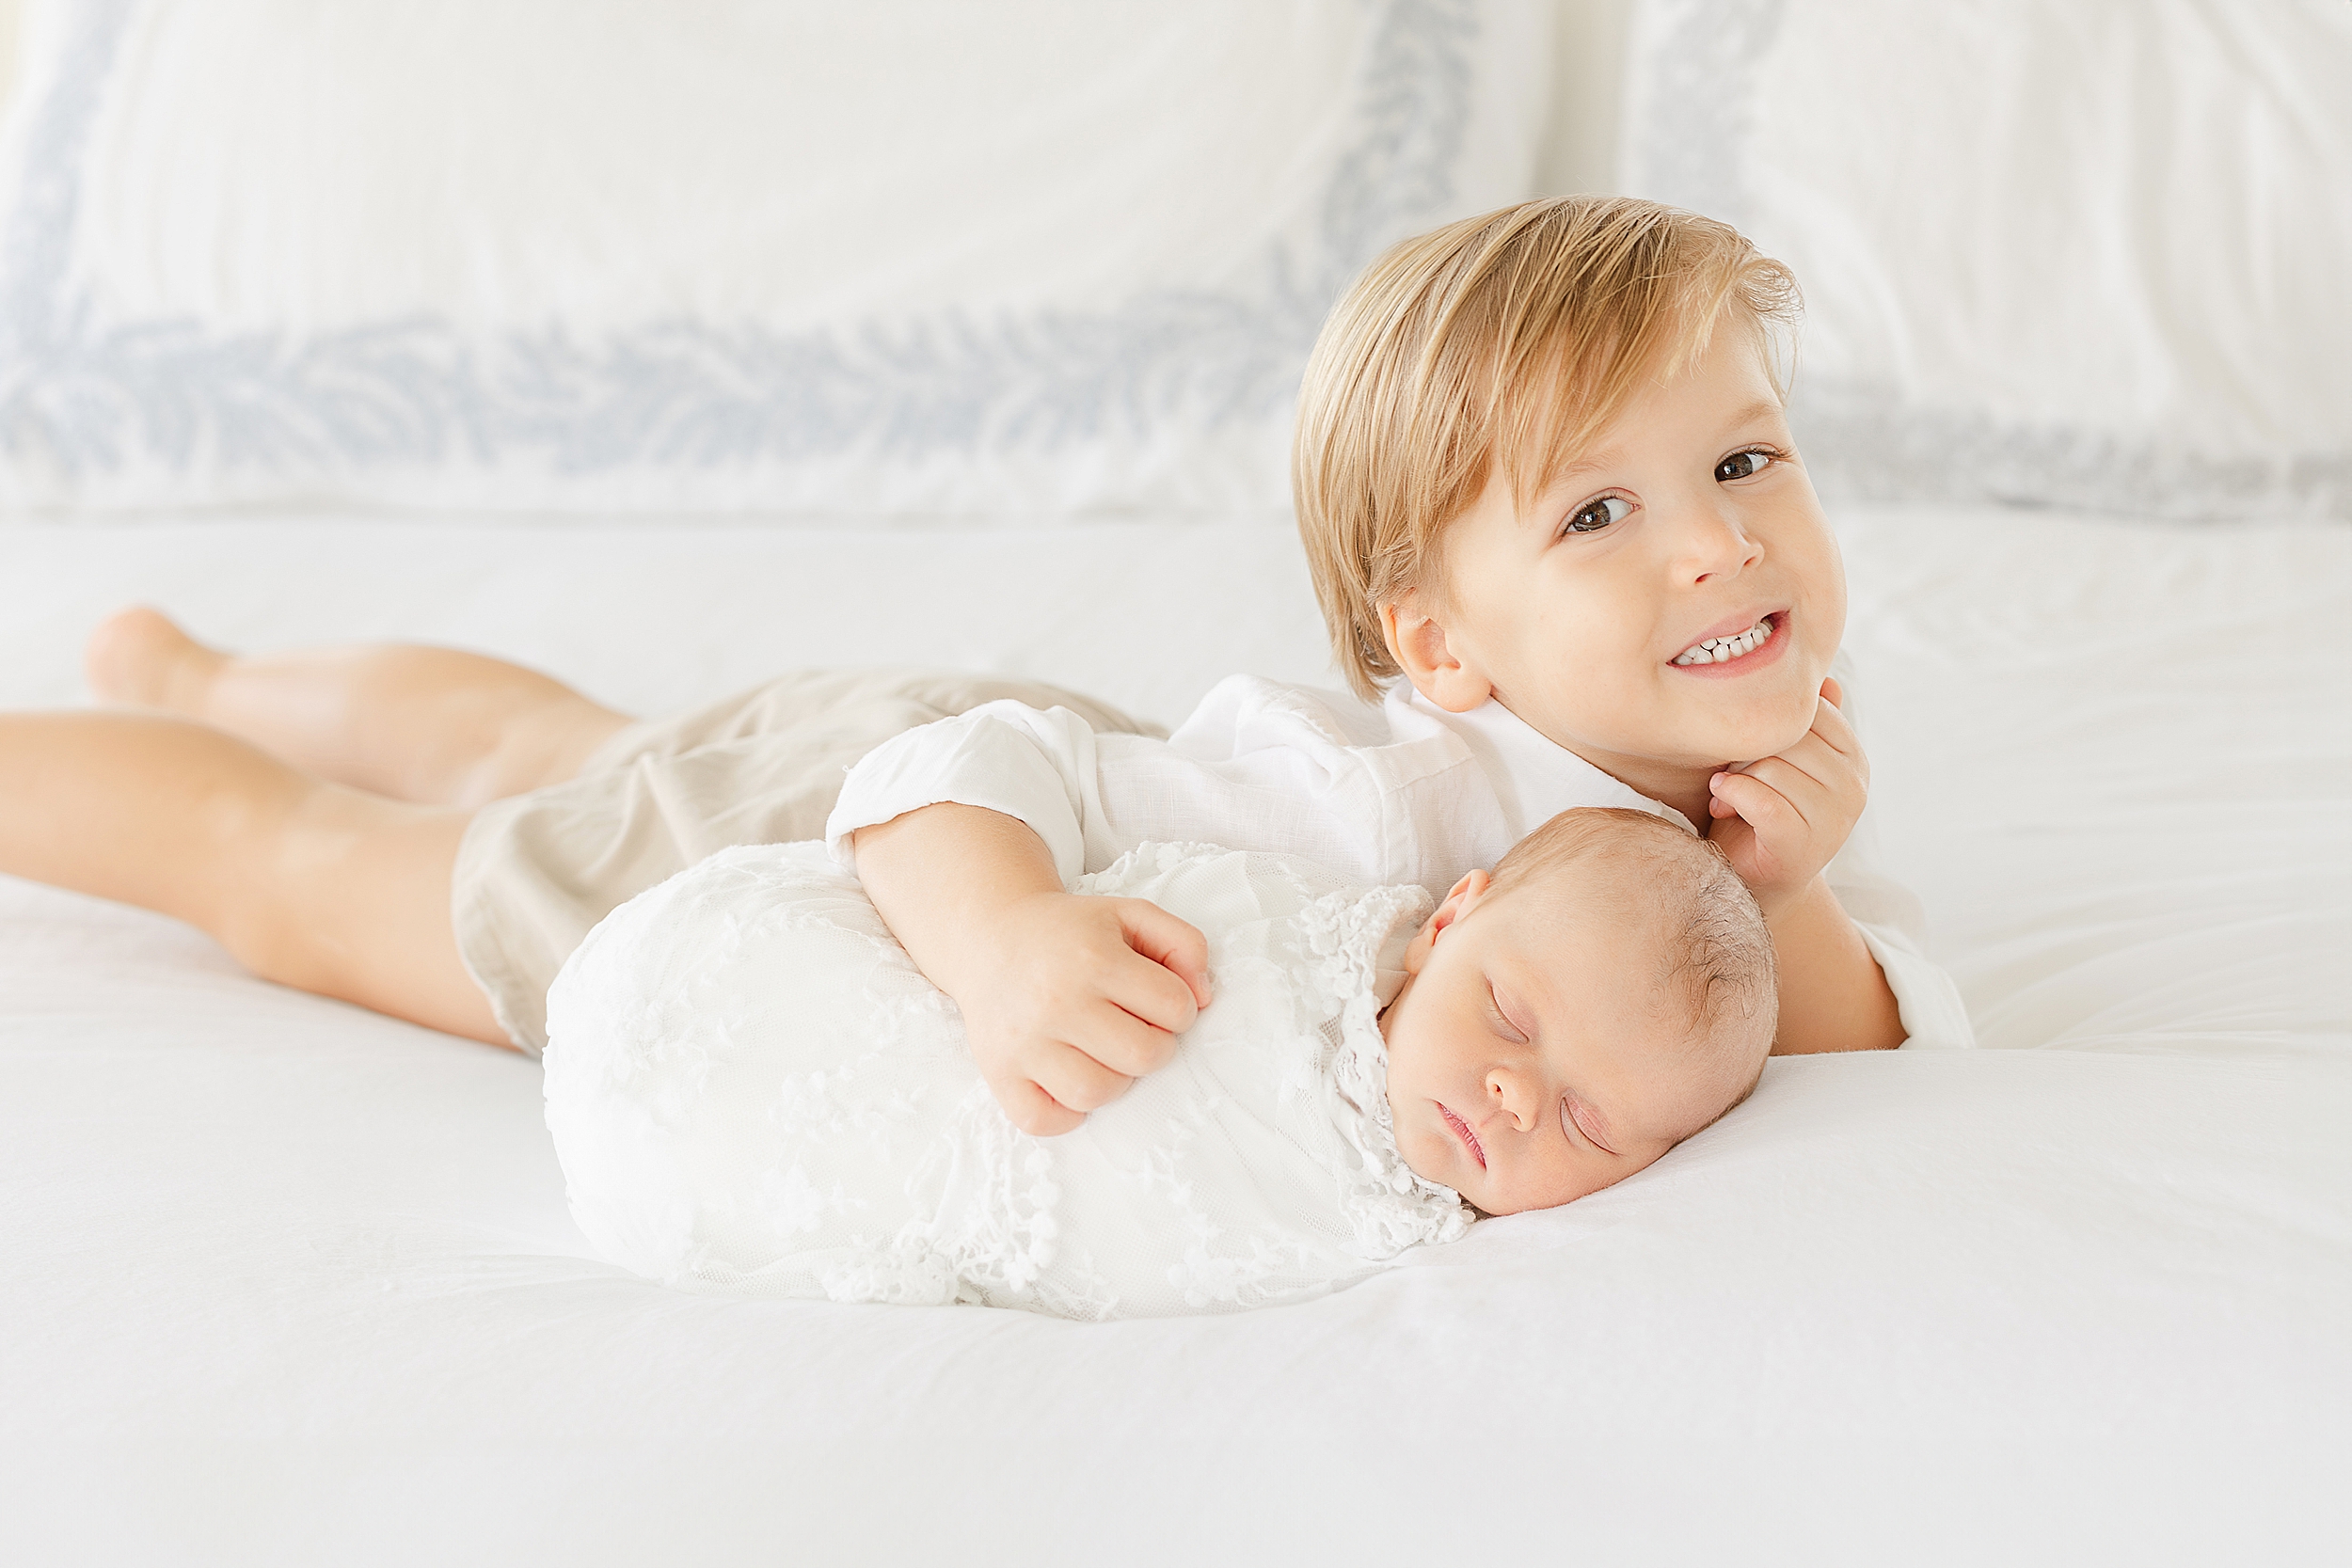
<point>1573,1181</point>
<point>1420,1153</point>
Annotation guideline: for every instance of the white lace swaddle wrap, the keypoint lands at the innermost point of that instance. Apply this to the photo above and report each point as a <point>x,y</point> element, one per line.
<point>753,1089</point>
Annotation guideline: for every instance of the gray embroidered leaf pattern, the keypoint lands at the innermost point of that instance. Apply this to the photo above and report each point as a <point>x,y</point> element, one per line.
<point>89,397</point>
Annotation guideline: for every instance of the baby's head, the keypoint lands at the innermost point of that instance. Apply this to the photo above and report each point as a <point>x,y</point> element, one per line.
<point>1542,457</point>
<point>1607,991</point>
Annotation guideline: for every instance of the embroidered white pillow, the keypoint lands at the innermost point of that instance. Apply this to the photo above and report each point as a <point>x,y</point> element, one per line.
<point>1028,257</point>
<point>2087,255</point>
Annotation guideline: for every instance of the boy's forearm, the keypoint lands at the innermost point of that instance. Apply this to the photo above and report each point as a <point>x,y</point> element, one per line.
<point>940,875</point>
<point>1833,994</point>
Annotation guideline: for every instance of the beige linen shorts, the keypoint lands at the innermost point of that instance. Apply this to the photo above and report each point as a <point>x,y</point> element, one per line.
<point>536,872</point>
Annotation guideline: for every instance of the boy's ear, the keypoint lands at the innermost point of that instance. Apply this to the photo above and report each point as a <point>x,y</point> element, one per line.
<point>1428,657</point>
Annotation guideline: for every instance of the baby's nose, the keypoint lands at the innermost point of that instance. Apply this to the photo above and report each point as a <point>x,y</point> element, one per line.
<point>1514,1094</point>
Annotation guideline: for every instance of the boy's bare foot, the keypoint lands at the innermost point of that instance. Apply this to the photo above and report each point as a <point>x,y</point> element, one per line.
<point>432,726</point>
<point>140,658</point>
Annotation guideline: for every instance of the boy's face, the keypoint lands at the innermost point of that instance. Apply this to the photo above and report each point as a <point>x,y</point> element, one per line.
<point>1528,1061</point>
<point>1688,519</point>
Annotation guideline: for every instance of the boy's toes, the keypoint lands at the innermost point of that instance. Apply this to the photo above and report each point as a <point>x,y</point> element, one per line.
<point>140,658</point>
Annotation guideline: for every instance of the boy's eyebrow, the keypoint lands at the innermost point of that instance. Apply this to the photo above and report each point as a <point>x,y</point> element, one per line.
<point>1762,408</point>
<point>1554,477</point>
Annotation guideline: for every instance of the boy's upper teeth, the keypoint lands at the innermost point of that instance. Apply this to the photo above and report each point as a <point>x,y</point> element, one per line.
<point>1715,650</point>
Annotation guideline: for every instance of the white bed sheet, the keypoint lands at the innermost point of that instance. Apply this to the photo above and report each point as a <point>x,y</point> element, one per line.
<point>290,1283</point>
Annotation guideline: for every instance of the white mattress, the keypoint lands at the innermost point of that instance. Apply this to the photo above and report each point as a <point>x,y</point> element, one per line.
<point>289,1283</point>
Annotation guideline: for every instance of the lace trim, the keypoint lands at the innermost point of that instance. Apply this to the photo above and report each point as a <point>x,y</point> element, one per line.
<point>1389,1207</point>
<point>1392,1206</point>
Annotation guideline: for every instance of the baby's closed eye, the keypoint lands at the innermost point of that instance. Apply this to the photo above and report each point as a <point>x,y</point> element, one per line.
<point>1578,1120</point>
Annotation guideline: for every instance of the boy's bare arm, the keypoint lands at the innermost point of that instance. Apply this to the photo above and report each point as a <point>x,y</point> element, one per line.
<point>1781,820</point>
<point>1066,999</point>
<point>1833,994</point>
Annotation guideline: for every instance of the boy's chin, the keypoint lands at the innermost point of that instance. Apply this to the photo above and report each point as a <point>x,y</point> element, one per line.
<point>1733,744</point>
<point>1764,731</point>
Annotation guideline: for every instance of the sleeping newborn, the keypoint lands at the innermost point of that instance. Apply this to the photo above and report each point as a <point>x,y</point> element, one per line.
<point>752,1089</point>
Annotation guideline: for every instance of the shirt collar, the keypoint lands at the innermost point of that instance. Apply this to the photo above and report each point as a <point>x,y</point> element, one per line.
<point>1534,777</point>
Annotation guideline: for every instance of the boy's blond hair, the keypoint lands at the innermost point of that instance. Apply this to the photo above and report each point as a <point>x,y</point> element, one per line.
<point>1512,337</point>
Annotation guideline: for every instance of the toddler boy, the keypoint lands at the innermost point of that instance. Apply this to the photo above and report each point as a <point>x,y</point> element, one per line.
<point>1561,533</point>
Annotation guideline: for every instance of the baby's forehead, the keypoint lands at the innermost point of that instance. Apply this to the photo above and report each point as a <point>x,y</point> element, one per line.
<point>1592,925</point>
<point>1609,869</point>
<point>1669,920</point>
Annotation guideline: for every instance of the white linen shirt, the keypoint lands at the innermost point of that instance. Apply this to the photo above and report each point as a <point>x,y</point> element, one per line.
<point>1401,792</point>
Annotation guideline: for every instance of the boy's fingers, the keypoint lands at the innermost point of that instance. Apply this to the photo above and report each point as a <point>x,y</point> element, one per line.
<point>1034,1111</point>
<point>1158,996</point>
<point>1174,944</point>
<point>1077,1081</point>
<point>1833,693</point>
<point>1831,726</point>
<point>1792,784</point>
<point>1113,1037</point>
<point>1762,807</point>
<point>1819,758</point>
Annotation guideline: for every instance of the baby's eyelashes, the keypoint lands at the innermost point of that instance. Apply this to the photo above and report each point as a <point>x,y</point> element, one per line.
<point>1577,1127</point>
<point>1519,1027</point>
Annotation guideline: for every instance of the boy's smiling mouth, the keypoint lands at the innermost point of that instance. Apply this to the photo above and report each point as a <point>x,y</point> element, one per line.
<point>1735,646</point>
<point>1462,1131</point>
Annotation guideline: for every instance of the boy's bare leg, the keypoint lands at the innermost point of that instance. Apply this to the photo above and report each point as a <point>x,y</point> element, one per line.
<point>431,725</point>
<point>305,883</point>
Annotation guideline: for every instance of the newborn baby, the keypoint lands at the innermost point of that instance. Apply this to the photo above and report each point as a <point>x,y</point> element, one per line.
<point>751,1087</point>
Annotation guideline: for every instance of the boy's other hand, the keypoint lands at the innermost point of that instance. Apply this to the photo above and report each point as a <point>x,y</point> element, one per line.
<point>1782,817</point>
<point>1075,998</point>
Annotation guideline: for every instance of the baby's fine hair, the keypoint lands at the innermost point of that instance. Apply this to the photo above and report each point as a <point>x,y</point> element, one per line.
<point>1514,337</point>
<point>1717,963</point>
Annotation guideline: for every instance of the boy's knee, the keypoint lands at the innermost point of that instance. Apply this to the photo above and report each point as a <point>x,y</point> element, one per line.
<point>277,916</point>
<point>300,887</point>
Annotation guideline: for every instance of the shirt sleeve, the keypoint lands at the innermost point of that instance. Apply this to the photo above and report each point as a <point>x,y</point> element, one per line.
<point>1037,764</point>
<point>1894,928</point>
<point>1254,768</point>
<point>1894,924</point>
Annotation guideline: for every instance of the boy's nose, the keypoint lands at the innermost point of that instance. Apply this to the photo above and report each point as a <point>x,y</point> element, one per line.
<point>1711,544</point>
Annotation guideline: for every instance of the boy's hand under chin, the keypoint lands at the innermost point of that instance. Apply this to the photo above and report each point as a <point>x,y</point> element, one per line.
<point>1780,818</point>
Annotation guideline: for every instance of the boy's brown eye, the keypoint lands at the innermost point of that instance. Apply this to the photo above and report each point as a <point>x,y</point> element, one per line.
<point>1597,514</point>
<point>1743,464</point>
